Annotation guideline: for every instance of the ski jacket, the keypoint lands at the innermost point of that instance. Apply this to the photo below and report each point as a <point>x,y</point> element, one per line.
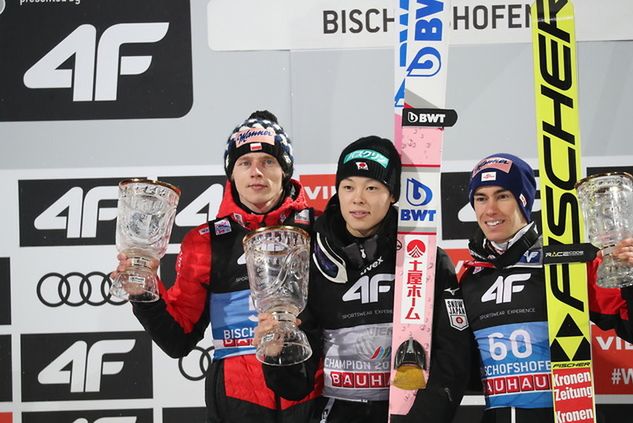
<point>505,302</point>
<point>349,322</point>
<point>213,288</point>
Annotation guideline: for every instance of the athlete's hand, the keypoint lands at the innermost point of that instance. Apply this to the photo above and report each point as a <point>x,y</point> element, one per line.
<point>266,334</point>
<point>623,251</point>
<point>125,262</point>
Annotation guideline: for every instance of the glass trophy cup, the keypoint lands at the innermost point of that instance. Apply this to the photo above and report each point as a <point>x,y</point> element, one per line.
<point>278,261</point>
<point>606,201</point>
<point>146,212</point>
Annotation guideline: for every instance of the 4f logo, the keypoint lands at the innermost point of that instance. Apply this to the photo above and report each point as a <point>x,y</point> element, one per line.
<point>81,367</point>
<point>367,290</point>
<point>502,289</point>
<point>86,366</point>
<point>68,211</point>
<point>97,63</point>
<point>108,60</point>
<point>78,212</point>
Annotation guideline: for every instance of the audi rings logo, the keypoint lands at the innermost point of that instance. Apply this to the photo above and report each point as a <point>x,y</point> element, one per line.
<point>196,365</point>
<point>75,289</point>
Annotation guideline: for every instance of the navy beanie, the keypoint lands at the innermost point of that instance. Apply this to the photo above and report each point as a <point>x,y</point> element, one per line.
<point>260,133</point>
<point>509,172</point>
<point>371,157</point>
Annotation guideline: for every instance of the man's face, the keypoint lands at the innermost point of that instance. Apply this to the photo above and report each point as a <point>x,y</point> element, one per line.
<point>364,204</point>
<point>258,178</point>
<point>498,213</point>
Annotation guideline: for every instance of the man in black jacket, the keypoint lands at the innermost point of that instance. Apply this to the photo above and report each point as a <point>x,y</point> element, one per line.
<point>350,303</point>
<point>504,294</point>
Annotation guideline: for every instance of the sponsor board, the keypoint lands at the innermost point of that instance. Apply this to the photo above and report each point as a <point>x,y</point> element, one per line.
<point>86,366</point>
<point>332,24</point>
<point>60,212</point>
<point>5,369</point>
<point>318,189</point>
<point>182,414</point>
<point>5,291</point>
<point>95,60</point>
<point>56,212</point>
<point>613,363</point>
<point>200,200</point>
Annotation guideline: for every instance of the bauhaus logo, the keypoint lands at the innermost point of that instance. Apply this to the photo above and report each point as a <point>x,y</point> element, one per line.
<point>115,59</point>
<point>78,366</point>
<point>91,416</point>
<point>63,212</point>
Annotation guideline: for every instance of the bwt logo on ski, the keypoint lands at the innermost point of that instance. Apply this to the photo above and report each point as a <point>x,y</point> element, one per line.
<point>109,60</point>
<point>428,29</point>
<point>417,195</point>
<point>86,366</point>
<point>429,117</point>
<point>90,416</point>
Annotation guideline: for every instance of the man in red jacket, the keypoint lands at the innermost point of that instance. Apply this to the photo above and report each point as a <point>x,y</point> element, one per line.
<point>211,284</point>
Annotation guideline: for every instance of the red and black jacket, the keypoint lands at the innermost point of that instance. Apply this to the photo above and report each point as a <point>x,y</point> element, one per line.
<point>235,386</point>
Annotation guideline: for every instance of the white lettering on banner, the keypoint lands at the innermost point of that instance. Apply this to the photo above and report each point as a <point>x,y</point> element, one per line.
<point>76,214</point>
<point>323,24</point>
<point>210,199</point>
<point>82,45</point>
<point>533,366</point>
<point>624,375</point>
<point>567,393</point>
<point>608,343</point>
<point>322,192</point>
<point>356,21</point>
<point>574,416</point>
<point>491,16</point>
<point>86,366</point>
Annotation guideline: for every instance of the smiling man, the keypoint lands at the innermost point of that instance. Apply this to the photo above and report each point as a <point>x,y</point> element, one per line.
<point>351,299</point>
<point>504,294</point>
<point>211,287</point>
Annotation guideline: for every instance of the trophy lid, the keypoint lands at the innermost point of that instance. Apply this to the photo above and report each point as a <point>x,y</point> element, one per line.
<point>258,231</point>
<point>600,175</point>
<point>150,182</point>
